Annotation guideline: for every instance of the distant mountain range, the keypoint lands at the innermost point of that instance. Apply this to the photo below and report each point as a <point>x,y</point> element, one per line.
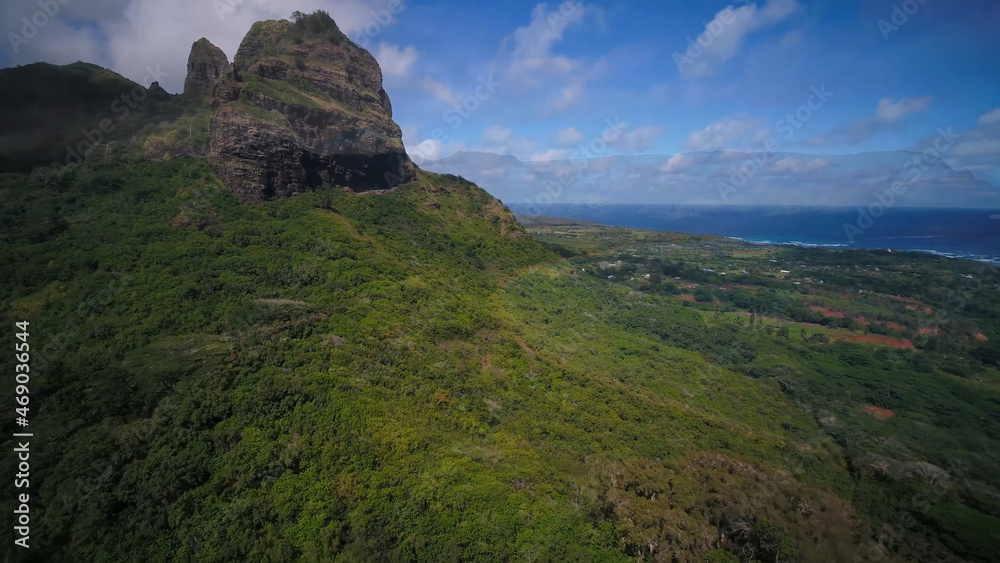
<point>726,177</point>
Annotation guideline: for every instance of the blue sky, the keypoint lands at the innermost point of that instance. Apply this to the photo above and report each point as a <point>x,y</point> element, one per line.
<point>572,67</point>
<point>560,73</point>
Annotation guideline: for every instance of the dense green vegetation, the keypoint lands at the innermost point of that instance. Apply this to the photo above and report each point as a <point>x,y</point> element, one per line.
<point>413,376</point>
<point>317,24</point>
<point>337,376</point>
<point>899,377</point>
<point>181,331</point>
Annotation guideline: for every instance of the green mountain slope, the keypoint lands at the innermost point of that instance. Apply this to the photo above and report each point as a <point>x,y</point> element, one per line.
<point>54,115</point>
<point>195,327</point>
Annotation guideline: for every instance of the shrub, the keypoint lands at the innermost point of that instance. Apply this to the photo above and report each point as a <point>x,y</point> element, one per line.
<point>703,295</point>
<point>318,24</point>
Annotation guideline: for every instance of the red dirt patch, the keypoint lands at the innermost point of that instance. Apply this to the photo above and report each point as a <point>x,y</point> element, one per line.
<point>893,326</point>
<point>690,299</point>
<point>914,304</point>
<point>883,414</point>
<point>828,313</point>
<point>876,339</point>
<point>862,321</point>
<point>980,337</point>
<point>930,331</point>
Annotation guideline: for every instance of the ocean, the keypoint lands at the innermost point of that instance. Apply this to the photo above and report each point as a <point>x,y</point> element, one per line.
<point>958,233</point>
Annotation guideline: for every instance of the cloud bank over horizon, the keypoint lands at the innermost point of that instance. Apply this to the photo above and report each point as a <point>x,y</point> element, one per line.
<point>907,178</point>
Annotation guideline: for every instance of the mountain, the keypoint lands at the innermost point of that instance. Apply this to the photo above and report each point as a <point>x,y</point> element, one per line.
<point>302,105</point>
<point>206,65</point>
<point>718,178</point>
<point>53,115</point>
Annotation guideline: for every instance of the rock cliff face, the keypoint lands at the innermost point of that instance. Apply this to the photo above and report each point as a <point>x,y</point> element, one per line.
<point>302,105</point>
<point>206,64</point>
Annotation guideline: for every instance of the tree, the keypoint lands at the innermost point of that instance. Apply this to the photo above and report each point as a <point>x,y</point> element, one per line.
<point>703,295</point>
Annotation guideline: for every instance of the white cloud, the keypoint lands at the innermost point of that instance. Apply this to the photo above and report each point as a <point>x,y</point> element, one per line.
<point>428,149</point>
<point>533,43</point>
<point>798,165</point>
<point>888,115</point>
<point>890,111</point>
<point>531,67</point>
<point>977,148</point>
<point>990,118</point>
<point>501,140</point>
<point>569,137</point>
<point>569,95</point>
<point>677,164</point>
<point>721,133</point>
<point>396,62</point>
<point>439,90</point>
<point>641,139</point>
<point>532,63</point>
<point>551,154</point>
<point>497,135</point>
<point>727,31</point>
<point>425,150</point>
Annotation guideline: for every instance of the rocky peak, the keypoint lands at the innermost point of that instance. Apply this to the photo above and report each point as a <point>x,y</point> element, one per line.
<point>156,93</point>
<point>206,64</point>
<point>303,105</point>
